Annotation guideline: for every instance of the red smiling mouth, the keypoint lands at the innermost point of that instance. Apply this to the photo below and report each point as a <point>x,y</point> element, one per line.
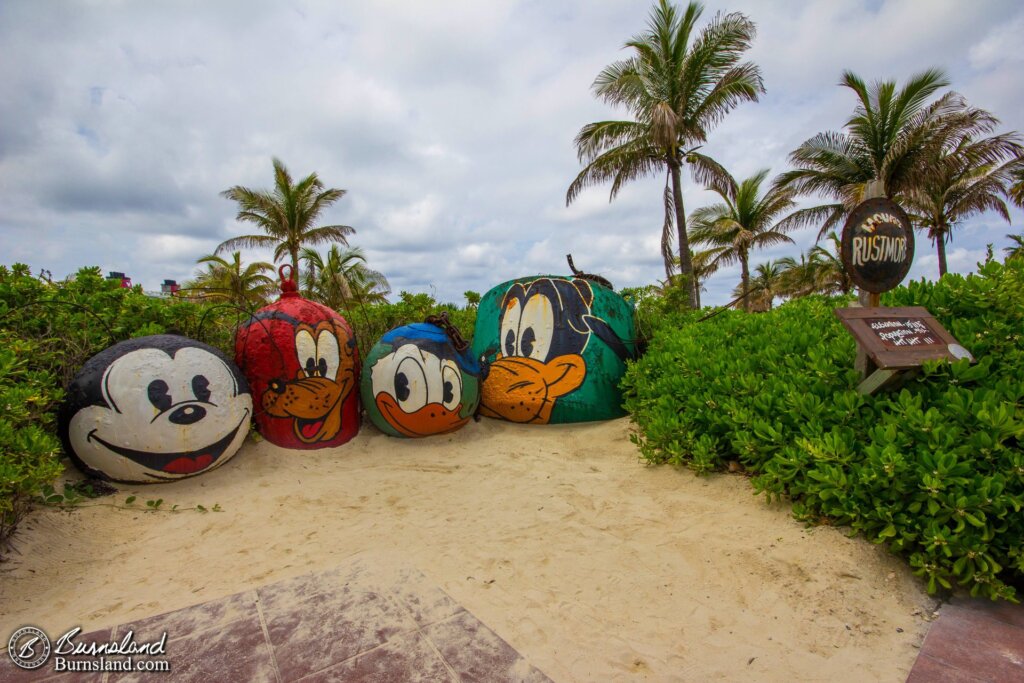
<point>188,465</point>
<point>175,463</point>
<point>309,428</point>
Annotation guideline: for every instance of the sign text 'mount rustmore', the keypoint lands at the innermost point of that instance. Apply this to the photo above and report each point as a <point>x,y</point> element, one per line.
<point>873,248</point>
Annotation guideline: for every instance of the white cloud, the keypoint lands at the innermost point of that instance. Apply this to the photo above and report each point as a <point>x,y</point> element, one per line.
<point>449,123</point>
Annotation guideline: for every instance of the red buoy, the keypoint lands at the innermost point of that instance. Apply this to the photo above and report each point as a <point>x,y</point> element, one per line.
<point>301,361</point>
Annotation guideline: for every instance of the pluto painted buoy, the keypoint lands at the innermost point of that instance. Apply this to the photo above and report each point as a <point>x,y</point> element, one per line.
<point>301,361</point>
<point>155,409</point>
<point>556,348</point>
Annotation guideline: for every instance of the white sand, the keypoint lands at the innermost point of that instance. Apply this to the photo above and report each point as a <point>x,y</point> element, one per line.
<point>591,564</point>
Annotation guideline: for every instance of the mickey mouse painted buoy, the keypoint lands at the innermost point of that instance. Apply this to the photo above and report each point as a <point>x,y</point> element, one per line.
<point>301,361</point>
<point>420,380</point>
<point>556,348</point>
<point>155,409</point>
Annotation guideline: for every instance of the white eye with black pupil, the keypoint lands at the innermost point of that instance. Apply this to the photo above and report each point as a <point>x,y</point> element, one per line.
<point>327,354</point>
<point>536,328</point>
<point>452,385</point>
<point>410,385</point>
<point>305,349</point>
<point>510,328</point>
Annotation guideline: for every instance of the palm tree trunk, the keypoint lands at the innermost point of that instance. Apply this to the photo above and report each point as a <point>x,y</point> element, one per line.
<point>295,262</point>
<point>745,276</point>
<point>685,263</point>
<point>940,242</point>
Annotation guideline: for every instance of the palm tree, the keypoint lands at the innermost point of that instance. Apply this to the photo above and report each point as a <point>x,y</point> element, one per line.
<point>965,179</point>
<point>678,83</point>
<point>1015,250</point>
<point>766,284</point>
<point>341,277</point>
<point>247,287</point>
<point>820,271</point>
<point>286,215</point>
<point>888,139</point>
<point>1017,189</point>
<point>744,221</point>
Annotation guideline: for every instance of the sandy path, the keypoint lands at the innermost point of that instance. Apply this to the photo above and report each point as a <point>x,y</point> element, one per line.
<point>592,565</point>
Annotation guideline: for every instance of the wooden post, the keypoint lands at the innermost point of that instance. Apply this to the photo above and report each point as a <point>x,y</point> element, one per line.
<point>863,364</point>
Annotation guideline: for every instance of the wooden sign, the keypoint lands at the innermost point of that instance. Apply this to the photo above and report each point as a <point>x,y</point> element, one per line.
<point>900,338</point>
<point>878,245</point>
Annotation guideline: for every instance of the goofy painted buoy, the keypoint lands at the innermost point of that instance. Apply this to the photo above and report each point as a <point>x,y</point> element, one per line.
<point>420,380</point>
<point>557,348</point>
<point>155,409</point>
<point>301,361</point>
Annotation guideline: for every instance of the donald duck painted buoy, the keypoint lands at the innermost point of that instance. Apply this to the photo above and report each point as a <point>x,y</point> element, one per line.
<point>420,380</point>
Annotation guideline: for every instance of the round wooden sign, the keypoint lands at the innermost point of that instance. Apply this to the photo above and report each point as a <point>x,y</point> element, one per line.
<point>878,245</point>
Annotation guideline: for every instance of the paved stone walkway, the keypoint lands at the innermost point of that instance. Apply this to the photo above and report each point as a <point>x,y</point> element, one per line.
<point>361,622</point>
<point>973,641</point>
<point>353,623</point>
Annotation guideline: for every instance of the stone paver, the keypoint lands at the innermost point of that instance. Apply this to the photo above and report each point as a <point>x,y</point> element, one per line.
<point>357,622</point>
<point>973,641</point>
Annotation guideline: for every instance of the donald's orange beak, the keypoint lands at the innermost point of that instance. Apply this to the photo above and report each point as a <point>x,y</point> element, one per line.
<point>432,418</point>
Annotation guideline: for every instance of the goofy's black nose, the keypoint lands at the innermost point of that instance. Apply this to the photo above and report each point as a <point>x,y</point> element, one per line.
<point>186,415</point>
<point>276,385</point>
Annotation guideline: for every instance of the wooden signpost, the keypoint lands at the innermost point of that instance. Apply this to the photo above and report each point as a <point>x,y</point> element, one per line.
<point>898,339</point>
<point>877,251</point>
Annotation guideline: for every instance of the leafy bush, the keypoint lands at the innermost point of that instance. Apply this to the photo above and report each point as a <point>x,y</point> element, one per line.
<point>47,331</point>
<point>369,323</point>
<point>28,446</point>
<point>935,469</point>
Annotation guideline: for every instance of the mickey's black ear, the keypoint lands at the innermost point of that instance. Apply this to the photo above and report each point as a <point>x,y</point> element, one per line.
<point>586,293</point>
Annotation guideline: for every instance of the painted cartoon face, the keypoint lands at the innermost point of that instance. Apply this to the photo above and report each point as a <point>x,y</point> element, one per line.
<point>155,409</point>
<point>325,378</point>
<point>543,332</point>
<point>417,392</point>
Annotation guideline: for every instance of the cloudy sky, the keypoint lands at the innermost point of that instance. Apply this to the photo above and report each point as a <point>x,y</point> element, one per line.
<point>450,123</point>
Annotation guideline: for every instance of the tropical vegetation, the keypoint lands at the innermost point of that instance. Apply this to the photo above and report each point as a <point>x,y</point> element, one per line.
<point>341,278</point>
<point>966,177</point>
<point>885,142</point>
<point>933,470</point>
<point>677,83</point>
<point>286,216</point>
<point>1016,248</point>
<point>245,286</point>
<point>745,220</point>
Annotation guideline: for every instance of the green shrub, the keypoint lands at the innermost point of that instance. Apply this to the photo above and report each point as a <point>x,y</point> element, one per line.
<point>370,323</point>
<point>47,331</point>
<point>28,446</point>
<point>935,470</point>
